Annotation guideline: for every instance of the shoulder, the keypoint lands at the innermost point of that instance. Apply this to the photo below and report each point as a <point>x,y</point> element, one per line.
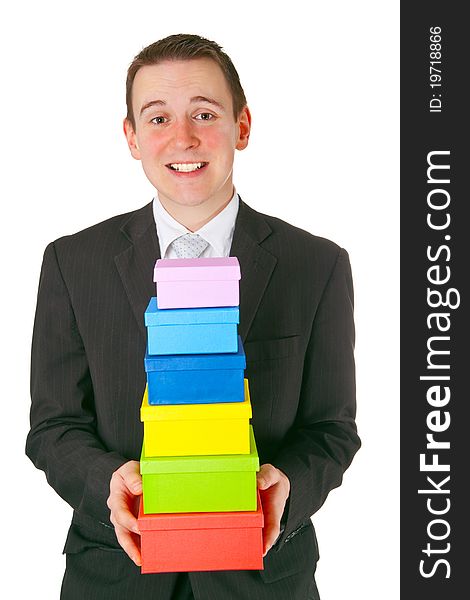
<point>290,243</point>
<point>102,240</point>
<point>102,231</point>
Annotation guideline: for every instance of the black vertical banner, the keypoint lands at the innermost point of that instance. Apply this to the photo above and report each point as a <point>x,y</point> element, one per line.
<point>435,270</point>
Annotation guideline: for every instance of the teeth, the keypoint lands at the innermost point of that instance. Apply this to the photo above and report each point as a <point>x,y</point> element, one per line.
<point>186,167</point>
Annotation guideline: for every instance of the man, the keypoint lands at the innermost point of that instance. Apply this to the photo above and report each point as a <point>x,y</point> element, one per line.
<point>187,114</point>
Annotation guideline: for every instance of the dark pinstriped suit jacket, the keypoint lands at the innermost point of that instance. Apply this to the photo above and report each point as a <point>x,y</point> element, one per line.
<point>296,322</point>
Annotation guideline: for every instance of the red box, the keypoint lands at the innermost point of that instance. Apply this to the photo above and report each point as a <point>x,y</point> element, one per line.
<point>201,541</point>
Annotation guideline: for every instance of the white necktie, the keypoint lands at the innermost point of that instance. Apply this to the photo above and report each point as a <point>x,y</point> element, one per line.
<point>189,245</point>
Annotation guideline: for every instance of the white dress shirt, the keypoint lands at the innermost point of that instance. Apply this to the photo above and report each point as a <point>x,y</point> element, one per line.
<point>218,232</point>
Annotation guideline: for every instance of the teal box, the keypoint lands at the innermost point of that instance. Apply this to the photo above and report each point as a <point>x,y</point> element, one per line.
<point>191,330</point>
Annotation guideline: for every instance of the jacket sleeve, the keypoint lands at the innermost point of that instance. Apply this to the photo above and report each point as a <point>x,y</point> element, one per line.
<point>62,440</point>
<point>323,441</point>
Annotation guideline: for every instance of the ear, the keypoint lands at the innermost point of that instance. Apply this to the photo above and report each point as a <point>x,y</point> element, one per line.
<point>244,127</point>
<point>131,139</point>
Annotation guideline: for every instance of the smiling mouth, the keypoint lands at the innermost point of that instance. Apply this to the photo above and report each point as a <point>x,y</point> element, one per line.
<point>186,167</point>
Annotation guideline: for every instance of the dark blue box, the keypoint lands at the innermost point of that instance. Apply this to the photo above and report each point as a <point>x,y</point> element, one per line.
<point>196,378</point>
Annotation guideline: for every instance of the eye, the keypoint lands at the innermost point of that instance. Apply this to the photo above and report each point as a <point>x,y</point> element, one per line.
<point>158,120</point>
<point>204,116</point>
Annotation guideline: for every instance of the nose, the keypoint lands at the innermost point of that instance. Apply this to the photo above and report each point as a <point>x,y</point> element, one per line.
<point>185,136</point>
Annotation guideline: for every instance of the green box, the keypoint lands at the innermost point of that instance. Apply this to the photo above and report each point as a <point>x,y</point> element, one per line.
<point>222,483</point>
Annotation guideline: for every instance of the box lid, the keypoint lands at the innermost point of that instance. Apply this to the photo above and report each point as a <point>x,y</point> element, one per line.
<point>197,464</point>
<point>154,316</point>
<point>193,362</point>
<point>205,520</point>
<point>197,269</point>
<point>196,412</point>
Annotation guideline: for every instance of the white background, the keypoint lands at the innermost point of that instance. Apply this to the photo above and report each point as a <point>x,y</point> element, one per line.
<point>321,80</point>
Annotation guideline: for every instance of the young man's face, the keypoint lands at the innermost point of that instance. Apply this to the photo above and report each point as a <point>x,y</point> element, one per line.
<point>185,133</point>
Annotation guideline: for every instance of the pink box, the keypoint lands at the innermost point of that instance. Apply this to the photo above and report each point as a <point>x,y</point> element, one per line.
<point>197,282</point>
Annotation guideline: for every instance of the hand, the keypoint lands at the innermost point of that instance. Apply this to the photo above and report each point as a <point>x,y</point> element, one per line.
<point>123,501</point>
<point>274,488</point>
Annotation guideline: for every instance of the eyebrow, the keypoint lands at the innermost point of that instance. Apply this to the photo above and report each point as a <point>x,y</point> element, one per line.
<point>193,100</point>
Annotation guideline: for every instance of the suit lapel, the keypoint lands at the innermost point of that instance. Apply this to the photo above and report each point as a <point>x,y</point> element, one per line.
<point>135,265</point>
<point>256,264</point>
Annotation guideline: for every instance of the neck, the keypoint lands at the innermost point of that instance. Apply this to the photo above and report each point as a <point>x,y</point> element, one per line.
<point>194,217</point>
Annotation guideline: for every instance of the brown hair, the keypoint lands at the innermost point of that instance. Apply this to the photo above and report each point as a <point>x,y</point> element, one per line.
<point>183,46</point>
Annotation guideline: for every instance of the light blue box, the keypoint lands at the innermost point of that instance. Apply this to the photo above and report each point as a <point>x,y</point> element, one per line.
<point>191,330</point>
<point>196,379</point>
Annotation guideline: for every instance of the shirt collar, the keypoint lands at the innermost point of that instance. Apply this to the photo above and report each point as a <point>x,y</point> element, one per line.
<point>218,232</point>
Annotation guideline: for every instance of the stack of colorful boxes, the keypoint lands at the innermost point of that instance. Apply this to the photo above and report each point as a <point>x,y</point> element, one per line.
<point>200,509</point>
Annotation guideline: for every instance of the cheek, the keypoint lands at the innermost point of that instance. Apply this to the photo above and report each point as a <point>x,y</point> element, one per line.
<point>214,140</point>
<point>221,143</point>
<point>151,146</point>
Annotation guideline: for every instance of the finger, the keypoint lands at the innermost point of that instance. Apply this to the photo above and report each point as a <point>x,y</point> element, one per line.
<point>267,476</point>
<point>129,544</point>
<point>268,542</point>
<point>270,476</point>
<point>122,517</point>
<point>272,526</point>
<point>132,479</point>
<point>274,490</point>
<point>124,509</point>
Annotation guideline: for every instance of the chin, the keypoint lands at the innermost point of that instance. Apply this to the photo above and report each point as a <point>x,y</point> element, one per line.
<point>190,201</point>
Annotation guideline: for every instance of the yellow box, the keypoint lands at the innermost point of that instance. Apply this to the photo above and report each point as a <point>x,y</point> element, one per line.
<point>196,429</point>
